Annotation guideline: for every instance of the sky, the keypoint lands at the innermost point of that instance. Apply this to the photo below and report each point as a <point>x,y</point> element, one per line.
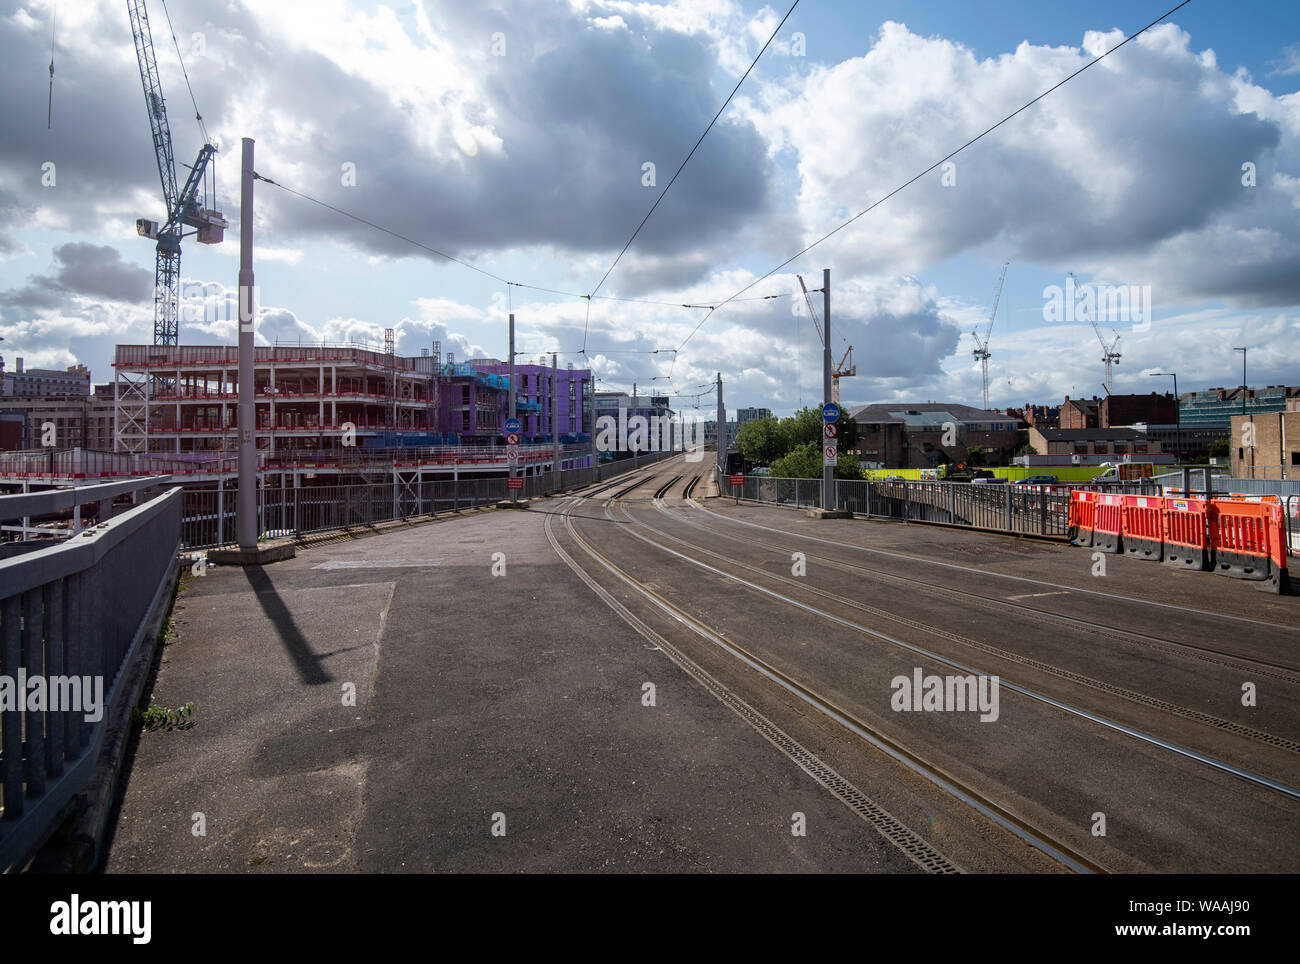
<point>514,136</point>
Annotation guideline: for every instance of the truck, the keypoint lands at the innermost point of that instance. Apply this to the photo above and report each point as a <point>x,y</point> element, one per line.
<point>1121,472</point>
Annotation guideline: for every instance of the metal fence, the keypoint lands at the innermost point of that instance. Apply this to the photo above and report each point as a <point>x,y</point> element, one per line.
<point>1026,510</point>
<point>208,517</point>
<point>74,610</point>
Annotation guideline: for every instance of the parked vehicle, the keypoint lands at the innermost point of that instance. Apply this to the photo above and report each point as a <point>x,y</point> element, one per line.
<point>1036,480</point>
<point>1125,472</point>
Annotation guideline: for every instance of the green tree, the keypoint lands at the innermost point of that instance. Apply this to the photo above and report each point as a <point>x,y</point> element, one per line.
<point>760,441</point>
<point>805,462</point>
<point>805,426</point>
<point>1026,449</point>
<point>1219,449</point>
<point>974,456</point>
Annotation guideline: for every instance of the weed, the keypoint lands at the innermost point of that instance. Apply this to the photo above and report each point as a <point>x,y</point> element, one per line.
<point>156,717</point>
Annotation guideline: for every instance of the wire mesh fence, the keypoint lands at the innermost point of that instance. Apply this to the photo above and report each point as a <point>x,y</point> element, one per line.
<point>1023,509</point>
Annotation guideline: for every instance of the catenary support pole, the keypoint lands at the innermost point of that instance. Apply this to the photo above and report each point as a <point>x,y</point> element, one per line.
<point>828,472</point>
<point>246,520</point>
<point>555,423</point>
<point>722,432</point>
<point>514,496</point>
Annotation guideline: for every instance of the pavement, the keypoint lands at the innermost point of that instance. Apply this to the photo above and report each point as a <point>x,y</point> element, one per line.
<point>498,725</point>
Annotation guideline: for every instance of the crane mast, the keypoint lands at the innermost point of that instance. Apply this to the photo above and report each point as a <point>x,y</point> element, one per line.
<point>183,206</point>
<point>841,370</point>
<point>1110,353</point>
<point>981,351</point>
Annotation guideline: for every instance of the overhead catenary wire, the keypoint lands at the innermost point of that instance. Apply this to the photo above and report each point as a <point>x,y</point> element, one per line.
<point>947,157</point>
<point>381,228</point>
<point>698,142</point>
<point>49,108</point>
<point>483,271</point>
<point>197,116</point>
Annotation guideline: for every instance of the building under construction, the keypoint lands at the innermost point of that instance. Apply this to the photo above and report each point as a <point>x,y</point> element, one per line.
<point>308,400</point>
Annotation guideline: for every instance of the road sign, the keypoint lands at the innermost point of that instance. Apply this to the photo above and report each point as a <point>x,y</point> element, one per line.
<point>830,412</point>
<point>830,454</point>
<point>512,438</point>
<point>738,479</point>
<point>512,456</point>
<point>514,483</point>
<point>512,425</point>
<point>830,430</point>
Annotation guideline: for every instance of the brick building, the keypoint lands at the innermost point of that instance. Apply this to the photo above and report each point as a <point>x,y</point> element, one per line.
<point>1276,452</point>
<point>926,435</point>
<point>1116,411</point>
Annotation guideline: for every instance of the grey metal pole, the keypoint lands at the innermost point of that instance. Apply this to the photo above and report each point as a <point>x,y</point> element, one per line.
<point>722,432</point>
<point>246,519</point>
<point>513,492</point>
<point>555,424</point>
<point>828,473</point>
<point>1178,418</point>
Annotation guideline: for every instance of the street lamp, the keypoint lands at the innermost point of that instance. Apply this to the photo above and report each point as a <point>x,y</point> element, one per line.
<point>1243,379</point>
<point>1243,403</point>
<point>1178,409</point>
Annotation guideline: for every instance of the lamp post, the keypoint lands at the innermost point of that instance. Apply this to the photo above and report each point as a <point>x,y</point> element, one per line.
<point>1178,409</point>
<point>1243,379</point>
<point>1243,404</point>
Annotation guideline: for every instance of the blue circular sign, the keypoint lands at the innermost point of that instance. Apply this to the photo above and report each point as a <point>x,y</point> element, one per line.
<point>512,425</point>
<point>830,412</point>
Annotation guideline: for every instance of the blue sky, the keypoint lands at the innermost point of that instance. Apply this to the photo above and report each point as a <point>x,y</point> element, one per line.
<point>528,165</point>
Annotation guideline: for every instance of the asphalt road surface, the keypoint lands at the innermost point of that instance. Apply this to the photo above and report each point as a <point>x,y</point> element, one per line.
<point>638,678</point>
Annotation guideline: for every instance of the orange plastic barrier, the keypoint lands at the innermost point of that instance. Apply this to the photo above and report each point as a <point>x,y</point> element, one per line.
<point>1107,535</point>
<point>1144,526</point>
<point>1187,533</point>
<point>1083,517</point>
<point>1249,541</point>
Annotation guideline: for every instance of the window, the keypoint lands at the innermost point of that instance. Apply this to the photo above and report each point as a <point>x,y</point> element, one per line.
<point>1295,458</point>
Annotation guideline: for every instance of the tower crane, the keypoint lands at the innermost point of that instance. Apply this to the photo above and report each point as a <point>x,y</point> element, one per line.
<point>981,351</point>
<point>842,370</point>
<point>1110,353</point>
<point>184,207</point>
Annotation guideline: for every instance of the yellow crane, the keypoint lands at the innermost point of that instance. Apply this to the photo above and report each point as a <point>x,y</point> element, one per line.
<point>841,370</point>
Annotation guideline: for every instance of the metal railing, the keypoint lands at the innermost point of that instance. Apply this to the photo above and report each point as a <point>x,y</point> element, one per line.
<point>208,516</point>
<point>74,610</point>
<point>88,463</point>
<point>1024,510</point>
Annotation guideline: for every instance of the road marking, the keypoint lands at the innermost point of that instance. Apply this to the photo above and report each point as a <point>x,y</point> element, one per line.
<point>373,564</point>
<point>1035,595</point>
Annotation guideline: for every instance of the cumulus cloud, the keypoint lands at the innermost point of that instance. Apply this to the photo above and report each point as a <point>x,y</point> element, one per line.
<point>1133,170</point>
<point>519,131</point>
<point>82,269</point>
